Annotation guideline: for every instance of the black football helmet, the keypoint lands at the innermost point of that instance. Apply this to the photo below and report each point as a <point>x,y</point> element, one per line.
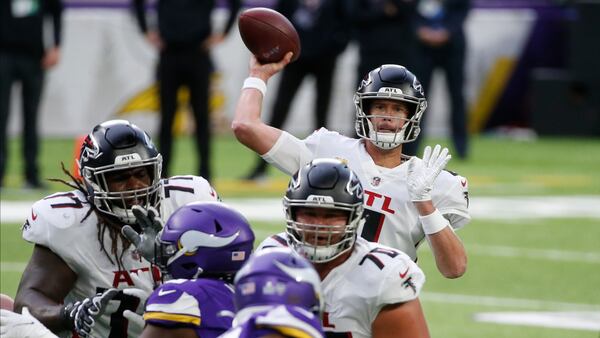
<point>323,183</point>
<point>113,146</point>
<point>391,82</point>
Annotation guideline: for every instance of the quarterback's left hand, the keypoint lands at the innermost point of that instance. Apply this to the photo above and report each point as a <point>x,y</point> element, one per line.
<point>422,174</point>
<point>151,224</point>
<point>15,325</point>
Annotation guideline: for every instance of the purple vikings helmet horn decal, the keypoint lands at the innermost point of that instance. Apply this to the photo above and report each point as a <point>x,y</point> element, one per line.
<point>204,239</point>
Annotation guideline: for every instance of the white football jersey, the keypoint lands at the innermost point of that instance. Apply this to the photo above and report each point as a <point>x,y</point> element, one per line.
<point>355,291</point>
<point>57,222</point>
<point>391,217</point>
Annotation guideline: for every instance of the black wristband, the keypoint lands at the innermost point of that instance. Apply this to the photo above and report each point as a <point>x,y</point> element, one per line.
<point>66,316</point>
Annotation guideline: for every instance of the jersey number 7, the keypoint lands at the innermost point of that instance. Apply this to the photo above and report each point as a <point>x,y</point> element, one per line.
<point>118,323</point>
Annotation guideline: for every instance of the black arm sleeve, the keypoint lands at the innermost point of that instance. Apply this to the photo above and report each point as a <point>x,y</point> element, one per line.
<point>457,14</point>
<point>234,8</point>
<point>55,11</point>
<point>140,14</point>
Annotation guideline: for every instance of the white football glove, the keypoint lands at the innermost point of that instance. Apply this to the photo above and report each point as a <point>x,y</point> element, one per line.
<point>151,224</point>
<point>422,174</point>
<point>142,293</point>
<point>15,325</point>
<point>81,314</point>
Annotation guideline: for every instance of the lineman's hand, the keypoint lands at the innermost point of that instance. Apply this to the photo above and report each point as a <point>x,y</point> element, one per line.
<point>135,319</point>
<point>422,174</point>
<point>142,292</point>
<point>15,325</point>
<point>267,70</point>
<point>150,223</point>
<point>81,315</point>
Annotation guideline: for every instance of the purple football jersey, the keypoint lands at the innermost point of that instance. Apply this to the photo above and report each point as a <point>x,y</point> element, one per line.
<point>205,305</point>
<point>290,321</point>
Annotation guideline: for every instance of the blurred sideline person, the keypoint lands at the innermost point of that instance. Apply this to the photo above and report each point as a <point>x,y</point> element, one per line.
<point>322,28</point>
<point>441,43</point>
<point>407,199</point>
<point>24,58</point>
<point>80,253</point>
<point>184,40</point>
<point>277,294</point>
<point>370,290</point>
<point>201,247</point>
<point>382,31</point>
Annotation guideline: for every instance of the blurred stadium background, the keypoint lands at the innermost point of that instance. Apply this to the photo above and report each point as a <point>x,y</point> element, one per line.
<point>534,170</point>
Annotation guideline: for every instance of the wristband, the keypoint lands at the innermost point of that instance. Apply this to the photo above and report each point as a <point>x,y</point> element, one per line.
<point>433,222</point>
<point>65,314</point>
<point>256,83</point>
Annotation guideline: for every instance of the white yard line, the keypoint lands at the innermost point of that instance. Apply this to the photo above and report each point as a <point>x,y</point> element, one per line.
<point>579,320</point>
<point>12,266</point>
<point>551,255</point>
<point>543,254</point>
<point>270,209</point>
<point>513,303</point>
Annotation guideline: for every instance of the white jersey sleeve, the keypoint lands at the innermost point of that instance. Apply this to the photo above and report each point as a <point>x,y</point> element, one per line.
<point>57,220</point>
<point>277,240</point>
<point>288,154</point>
<point>178,191</point>
<point>451,198</point>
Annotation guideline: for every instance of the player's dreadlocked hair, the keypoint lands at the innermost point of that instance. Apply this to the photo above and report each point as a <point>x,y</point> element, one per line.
<point>104,223</point>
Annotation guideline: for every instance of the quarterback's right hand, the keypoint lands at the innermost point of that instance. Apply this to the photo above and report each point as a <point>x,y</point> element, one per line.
<point>151,224</point>
<point>15,325</point>
<point>265,71</point>
<point>81,315</point>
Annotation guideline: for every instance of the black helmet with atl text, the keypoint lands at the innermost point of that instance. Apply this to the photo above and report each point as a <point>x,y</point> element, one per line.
<point>114,146</point>
<point>389,82</point>
<point>324,184</point>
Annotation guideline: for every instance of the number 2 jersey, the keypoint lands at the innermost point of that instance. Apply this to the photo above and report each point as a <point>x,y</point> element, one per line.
<point>355,291</point>
<point>57,222</point>
<point>391,217</point>
<point>203,305</point>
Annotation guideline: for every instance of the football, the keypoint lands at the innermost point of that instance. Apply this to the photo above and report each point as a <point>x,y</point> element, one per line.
<point>268,34</point>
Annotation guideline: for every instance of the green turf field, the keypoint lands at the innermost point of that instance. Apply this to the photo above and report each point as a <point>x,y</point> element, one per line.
<point>496,167</point>
<point>519,265</point>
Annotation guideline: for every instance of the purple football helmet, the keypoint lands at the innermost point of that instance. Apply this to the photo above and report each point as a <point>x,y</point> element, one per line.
<point>207,239</point>
<point>278,276</point>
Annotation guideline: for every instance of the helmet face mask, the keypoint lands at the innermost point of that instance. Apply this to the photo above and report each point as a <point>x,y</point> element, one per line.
<point>207,239</point>
<point>321,242</point>
<point>396,83</point>
<point>116,148</point>
<point>324,191</point>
